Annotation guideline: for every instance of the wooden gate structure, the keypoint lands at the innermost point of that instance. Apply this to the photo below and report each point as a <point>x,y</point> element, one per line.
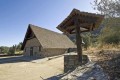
<point>78,22</point>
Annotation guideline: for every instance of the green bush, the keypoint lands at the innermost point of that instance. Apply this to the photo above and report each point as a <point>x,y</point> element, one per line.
<point>112,39</point>
<point>111,33</point>
<point>12,50</point>
<point>4,49</point>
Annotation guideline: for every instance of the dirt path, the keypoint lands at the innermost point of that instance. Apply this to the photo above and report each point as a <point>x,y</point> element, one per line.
<point>32,70</point>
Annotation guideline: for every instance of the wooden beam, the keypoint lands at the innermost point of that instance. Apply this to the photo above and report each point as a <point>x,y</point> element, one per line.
<point>72,30</point>
<point>78,39</point>
<point>70,27</point>
<point>68,23</point>
<point>63,30</point>
<point>82,25</point>
<point>87,20</point>
<point>81,31</point>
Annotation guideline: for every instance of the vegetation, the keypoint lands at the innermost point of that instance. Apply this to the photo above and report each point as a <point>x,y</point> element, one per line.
<point>109,34</point>
<point>11,50</point>
<point>109,8</point>
<point>4,49</point>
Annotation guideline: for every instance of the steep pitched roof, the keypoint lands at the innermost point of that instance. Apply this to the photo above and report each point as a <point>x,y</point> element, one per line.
<point>87,21</point>
<point>49,39</point>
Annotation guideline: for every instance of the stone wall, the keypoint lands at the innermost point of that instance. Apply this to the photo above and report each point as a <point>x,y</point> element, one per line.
<point>71,61</point>
<point>53,52</point>
<point>32,43</point>
<point>26,51</point>
<point>43,52</point>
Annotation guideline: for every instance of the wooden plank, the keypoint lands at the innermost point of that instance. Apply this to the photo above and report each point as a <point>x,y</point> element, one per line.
<point>87,26</point>
<point>83,25</point>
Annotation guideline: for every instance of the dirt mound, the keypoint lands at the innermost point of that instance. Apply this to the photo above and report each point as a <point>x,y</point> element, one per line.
<point>109,60</point>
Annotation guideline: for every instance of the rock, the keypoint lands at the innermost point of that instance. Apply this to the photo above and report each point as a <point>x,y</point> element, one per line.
<point>91,78</point>
<point>89,71</point>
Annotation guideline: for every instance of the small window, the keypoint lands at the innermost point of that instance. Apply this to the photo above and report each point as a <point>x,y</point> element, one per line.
<point>39,48</point>
<point>25,49</point>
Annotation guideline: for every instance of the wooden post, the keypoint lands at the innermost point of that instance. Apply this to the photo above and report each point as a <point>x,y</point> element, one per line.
<point>78,39</point>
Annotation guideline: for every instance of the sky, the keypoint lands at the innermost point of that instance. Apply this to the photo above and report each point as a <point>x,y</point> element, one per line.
<point>15,15</point>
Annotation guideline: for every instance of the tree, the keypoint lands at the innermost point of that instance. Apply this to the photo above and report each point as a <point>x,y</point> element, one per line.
<point>12,50</point>
<point>18,47</point>
<point>109,8</point>
<point>4,49</point>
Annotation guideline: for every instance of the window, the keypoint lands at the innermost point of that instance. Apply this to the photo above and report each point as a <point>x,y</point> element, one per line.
<point>25,49</point>
<point>39,48</point>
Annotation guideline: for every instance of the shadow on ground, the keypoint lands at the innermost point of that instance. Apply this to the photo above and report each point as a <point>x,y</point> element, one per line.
<point>15,59</point>
<point>58,77</point>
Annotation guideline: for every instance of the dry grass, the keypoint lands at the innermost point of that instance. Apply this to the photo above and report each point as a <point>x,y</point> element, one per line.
<point>108,59</point>
<point>104,47</point>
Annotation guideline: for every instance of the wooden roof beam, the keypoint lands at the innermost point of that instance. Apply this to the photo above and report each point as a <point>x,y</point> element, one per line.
<point>83,25</point>
<point>81,31</point>
<point>87,20</point>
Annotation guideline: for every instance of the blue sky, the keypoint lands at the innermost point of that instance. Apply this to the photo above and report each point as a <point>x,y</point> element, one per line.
<point>15,15</point>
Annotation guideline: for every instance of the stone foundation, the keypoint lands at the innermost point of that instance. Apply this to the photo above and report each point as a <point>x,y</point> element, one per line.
<point>71,61</point>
